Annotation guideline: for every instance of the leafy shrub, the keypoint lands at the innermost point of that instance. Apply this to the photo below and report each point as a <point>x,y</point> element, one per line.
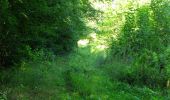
<point>3,96</point>
<point>144,42</point>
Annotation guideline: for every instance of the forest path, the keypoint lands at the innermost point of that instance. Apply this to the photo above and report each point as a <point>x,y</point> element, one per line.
<point>65,78</point>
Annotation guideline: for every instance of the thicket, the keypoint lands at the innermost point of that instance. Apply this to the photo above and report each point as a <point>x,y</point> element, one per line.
<point>144,41</point>
<point>141,43</point>
<point>30,25</point>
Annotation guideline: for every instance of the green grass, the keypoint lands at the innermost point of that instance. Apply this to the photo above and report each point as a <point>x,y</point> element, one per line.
<point>88,73</point>
<point>79,76</point>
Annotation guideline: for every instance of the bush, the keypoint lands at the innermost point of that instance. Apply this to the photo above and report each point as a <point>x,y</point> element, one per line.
<point>144,41</point>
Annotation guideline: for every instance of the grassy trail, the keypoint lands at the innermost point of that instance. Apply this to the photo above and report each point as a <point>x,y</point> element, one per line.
<point>83,75</point>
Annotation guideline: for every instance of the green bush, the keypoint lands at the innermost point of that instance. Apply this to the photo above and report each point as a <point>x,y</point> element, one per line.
<point>144,42</point>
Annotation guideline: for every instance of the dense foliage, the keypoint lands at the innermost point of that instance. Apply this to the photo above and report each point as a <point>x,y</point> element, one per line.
<point>144,41</point>
<point>30,25</point>
<point>85,49</point>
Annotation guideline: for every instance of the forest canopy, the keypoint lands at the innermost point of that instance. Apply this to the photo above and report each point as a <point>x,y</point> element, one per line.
<point>40,24</point>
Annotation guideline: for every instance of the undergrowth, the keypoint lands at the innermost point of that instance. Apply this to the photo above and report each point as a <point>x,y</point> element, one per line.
<point>93,71</point>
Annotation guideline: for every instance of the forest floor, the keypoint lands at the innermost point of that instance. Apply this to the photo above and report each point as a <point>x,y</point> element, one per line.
<point>85,74</point>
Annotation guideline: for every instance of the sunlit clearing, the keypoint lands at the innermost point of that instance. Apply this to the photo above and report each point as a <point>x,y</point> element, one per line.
<point>83,43</point>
